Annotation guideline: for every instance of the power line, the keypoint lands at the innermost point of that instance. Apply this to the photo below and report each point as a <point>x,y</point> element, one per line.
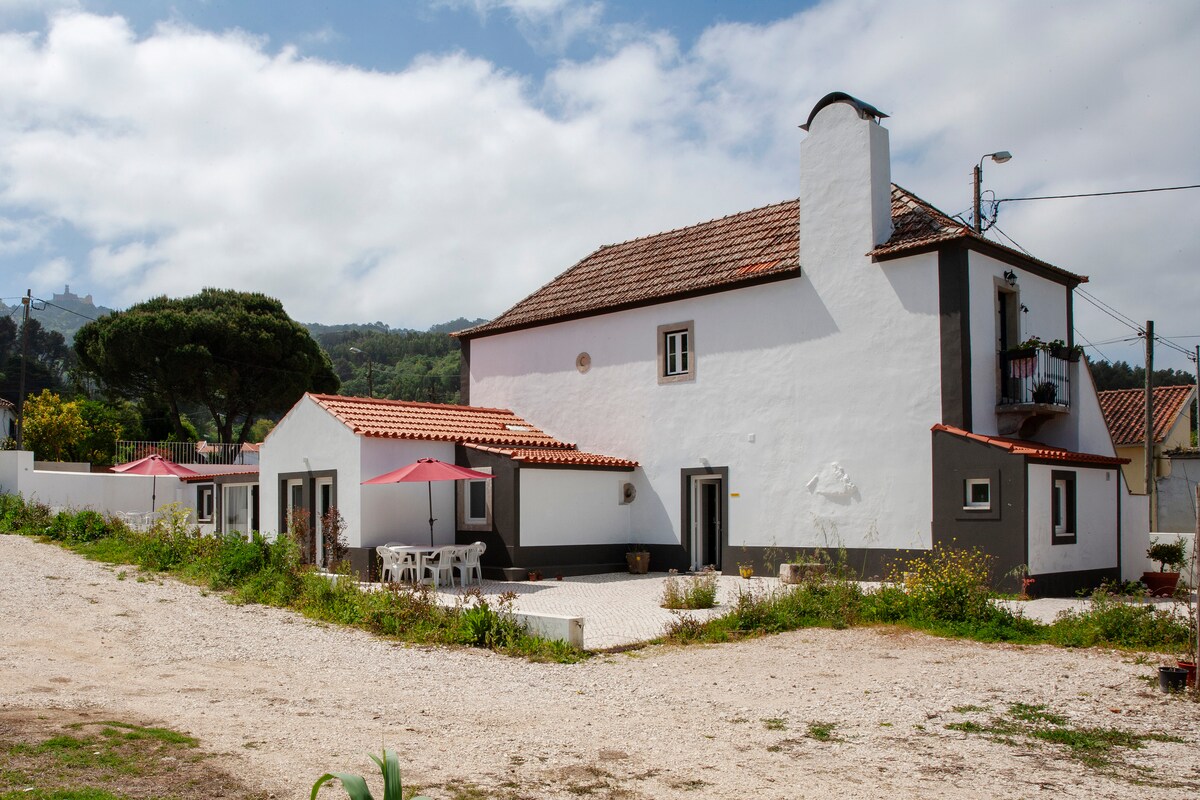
<point>1097,194</point>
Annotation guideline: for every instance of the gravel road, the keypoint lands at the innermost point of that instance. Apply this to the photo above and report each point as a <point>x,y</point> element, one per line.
<point>820,714</point>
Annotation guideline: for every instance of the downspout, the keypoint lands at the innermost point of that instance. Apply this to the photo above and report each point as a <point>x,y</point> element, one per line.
<point>1120,566</point>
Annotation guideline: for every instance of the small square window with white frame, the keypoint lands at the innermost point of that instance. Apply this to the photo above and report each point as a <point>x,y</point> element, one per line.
<point>977,494</point>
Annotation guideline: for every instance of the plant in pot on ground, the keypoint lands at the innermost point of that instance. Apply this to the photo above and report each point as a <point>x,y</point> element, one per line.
<point>638,559</point>
<point>1167,554</point>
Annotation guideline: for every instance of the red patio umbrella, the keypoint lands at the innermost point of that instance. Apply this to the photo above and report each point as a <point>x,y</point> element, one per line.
<point>429,470</point>
<point>154,465</point>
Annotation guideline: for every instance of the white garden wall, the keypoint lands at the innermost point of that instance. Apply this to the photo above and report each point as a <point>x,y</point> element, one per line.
<point>100,491</point>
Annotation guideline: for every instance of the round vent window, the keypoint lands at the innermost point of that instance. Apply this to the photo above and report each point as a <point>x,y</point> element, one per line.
<point>583,362</point>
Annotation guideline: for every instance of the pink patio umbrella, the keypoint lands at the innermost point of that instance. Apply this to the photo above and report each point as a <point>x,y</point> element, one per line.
<point>154,465</point>
<point>429,470</point>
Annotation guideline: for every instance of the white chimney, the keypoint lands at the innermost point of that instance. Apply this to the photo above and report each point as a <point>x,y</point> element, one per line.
<point>845,182</point>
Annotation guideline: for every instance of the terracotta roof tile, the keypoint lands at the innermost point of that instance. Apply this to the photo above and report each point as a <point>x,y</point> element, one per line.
<point>1038,450</point>
<point>401,419</point>
<point>542,455</point>
<point>918,225</point>
<point>1125,412</point>
<point>749,247</point>
<point>493,430</point>
<point>201,477</point>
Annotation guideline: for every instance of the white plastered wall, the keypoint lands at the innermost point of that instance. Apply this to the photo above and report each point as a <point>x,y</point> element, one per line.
<point>310,439</point>
<point>399,512</point>
<point>1046,319</point>
<point>1095,544</point>
<point>788,384</point>
<point>98,491</point>
<point>572,506</point>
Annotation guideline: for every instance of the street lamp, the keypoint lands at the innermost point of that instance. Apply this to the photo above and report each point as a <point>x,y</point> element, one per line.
<point>370,372</point>
<point>1000,156</point>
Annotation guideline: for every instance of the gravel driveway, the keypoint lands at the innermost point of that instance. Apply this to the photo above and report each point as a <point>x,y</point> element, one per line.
<point>822,714</point>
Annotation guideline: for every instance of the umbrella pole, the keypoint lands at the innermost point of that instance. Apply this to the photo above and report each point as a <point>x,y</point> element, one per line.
<point>431,519</point>
<point>153,492</point>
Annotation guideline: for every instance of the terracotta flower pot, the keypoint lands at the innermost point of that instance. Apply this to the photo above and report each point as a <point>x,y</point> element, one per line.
<point>1191,671</point>
<point>638,561</point>
<point>1160,584</point>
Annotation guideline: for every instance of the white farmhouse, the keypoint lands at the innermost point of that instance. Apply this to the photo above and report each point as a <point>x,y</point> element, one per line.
<point>843,370</point>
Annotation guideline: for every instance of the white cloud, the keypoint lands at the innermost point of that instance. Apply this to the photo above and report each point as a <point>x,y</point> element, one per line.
<point>187,158</point>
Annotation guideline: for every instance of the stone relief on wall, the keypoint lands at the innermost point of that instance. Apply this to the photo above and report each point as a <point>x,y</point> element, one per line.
<point>832,483</point>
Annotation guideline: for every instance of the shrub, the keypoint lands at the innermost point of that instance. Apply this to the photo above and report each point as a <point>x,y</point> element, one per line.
<point>947,584</point>
<point>697,591</point>
<point>1119,621</point>
<point>1167,554</point>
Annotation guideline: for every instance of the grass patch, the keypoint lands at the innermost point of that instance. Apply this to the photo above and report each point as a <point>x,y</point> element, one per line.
<point>270,572</point>
<point>943,592</point>
<point>775,724</point>
<point>821,731</point>
<point>52,755</point>
<point>1093,747</point>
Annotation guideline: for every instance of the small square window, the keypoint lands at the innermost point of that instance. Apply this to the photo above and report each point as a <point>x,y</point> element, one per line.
<point>977,494</point>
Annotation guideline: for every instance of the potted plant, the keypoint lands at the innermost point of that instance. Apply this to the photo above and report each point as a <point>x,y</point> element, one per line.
<point>1167,554</point>
<point>746,570</point>
<point>1045,392</point>
<point>638,559</point>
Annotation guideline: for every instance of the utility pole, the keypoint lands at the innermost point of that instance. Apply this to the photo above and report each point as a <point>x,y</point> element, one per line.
<point>25,301</point>
<point>1150,419</point>
<point>1196,412</point>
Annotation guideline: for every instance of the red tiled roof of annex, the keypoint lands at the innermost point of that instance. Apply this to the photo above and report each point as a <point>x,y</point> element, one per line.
<point>1125,412</point>
<point>211,474</point>
<point>495,429</point>
<point>556,456</point>
<point>740,249</point>
<point>1038,450</point>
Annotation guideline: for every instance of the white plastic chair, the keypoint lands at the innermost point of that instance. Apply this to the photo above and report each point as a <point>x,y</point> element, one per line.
<point>467,563</point>
<point>390,569</point>
<point>438,563</point>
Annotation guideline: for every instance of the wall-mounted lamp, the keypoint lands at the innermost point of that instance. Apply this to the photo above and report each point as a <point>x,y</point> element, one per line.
<point>1000,156</point>
<point>1024,308</point>
<point>1010,278</point>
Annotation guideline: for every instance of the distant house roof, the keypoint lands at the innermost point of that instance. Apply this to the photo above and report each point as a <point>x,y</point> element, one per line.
<point>495,430</point>
<point>1125,412</point>
<point>738,250</point>
<point>1036,450</point>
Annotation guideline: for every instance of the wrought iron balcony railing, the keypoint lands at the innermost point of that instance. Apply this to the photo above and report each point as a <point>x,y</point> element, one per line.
<point>1035,376</point>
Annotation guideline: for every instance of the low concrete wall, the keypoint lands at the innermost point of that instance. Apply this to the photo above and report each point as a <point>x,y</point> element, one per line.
<point>555,628</point>
<point>104,492</point>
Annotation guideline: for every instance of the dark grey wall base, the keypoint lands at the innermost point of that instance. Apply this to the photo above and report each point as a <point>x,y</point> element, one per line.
<point>870,564</point>
<point>1069,584</point>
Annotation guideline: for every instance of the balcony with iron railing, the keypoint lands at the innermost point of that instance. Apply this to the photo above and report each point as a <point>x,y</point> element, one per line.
<point>1035,386</point>
<point>205,453</point>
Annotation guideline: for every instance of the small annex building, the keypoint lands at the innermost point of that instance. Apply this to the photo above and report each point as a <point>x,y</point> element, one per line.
<point>546,493</point>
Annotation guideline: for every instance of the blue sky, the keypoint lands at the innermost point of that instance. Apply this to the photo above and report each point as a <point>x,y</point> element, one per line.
<point>411,162</point>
